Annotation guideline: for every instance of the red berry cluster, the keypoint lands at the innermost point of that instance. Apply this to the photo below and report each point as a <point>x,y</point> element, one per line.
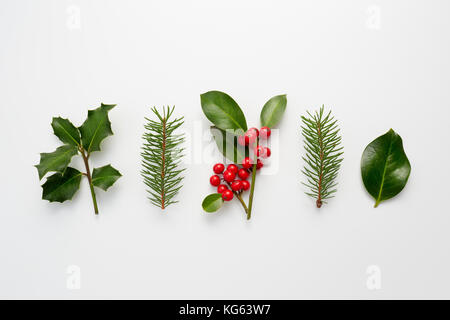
<point>250,138</point>
<point>229,179</point>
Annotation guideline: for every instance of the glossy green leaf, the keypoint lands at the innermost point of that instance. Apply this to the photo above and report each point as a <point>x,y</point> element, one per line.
<point>96,128</point>
<point>212,202</point>
<point>56,161</point>
<point>105,177</point>
<point>223,111</point>
<point>66,131</point>
<point>273,111</point>
<point>385,168</point>
<point>227,145</point>
<point>61,187</point>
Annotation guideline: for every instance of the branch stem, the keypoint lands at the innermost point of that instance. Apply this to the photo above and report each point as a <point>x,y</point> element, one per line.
<point>319,134</point>
<point>252,191</point>
<point>89,177</point>
<point>238,196</point>
<point>163,161</point>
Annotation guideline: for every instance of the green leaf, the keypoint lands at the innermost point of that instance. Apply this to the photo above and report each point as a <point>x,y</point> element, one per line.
<point>227,145</point>
<point>66,131</point>
<point>105,177</point>
<point>57,160</point>
<point>223,111</point>
<point>385,168</point>
<point>212,202</point>
<point>61,187</point>
<point>96,128</point>
<point>273,111</point>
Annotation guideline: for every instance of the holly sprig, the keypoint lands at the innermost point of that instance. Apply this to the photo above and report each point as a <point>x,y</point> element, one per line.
<point>83,140</point>
<point>239,145</point>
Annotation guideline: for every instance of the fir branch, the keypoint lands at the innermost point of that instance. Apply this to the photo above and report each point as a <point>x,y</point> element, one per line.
<point>323,155</point>
<point>161,157</point>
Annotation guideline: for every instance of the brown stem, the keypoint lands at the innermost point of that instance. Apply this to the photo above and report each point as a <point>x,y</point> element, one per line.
<point>163,163</point>
<point>319,199</point>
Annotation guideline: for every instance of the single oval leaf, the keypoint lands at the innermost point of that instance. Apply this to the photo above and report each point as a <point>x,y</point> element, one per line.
<point>61,187</point>
<point>223,111</point>
<point>385,168</point>
<point>105,177</point>
<point>273,111</point>
<point>96,128</point>
<point>57,160</point>
<point>212,202</point>
<point>227,145</point>
<point>66,131</point>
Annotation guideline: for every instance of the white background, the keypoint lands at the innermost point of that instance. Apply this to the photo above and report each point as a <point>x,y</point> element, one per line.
<point>377,64</point>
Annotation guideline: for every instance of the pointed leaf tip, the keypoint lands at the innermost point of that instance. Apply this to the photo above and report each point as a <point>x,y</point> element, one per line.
<point>105,177</point>
<point>61,187</point>
<point>56,161</point>
<point>66,131</point>
<point>96,128</point>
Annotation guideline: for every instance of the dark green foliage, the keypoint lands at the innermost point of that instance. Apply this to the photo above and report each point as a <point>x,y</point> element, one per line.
<point>84,140</point>
<point>323,155</point>
<point>161,157</point>
<point>385,168</point>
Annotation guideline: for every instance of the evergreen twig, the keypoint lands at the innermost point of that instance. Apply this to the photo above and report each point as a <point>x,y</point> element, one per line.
<point>323,155</point>
<point>162,156</point>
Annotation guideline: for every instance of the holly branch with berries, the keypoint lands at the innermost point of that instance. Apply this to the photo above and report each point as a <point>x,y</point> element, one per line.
<point>241,146</point>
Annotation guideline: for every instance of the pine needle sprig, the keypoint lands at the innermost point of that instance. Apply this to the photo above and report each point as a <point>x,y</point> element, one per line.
<point>323,155</point>
<point>162,157</point>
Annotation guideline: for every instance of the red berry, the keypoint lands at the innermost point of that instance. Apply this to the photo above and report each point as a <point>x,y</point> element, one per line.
<point>245,185</point>
<point>218,168</point>
<point>236,185</point>
<point>265,132</point>
<point>243,174</point>
<point>251,136</point>
<point>247,163</point>
<point>243,140</point>
<point>254,130</point>
<point>233,168</point>
<point>259,151</point>
<point>266,153</point>
<point>215,180</point>
<point>227,195</point>
<point>221,188</point>
<point>228,176</point>
<point>259,164</point>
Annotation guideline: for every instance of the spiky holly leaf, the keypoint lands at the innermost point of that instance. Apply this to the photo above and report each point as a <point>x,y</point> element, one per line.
<point>61,187</point>
<point>105,177</point>
<point>66,131</point>
<point>57,160</point>
<point>96,128</point>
